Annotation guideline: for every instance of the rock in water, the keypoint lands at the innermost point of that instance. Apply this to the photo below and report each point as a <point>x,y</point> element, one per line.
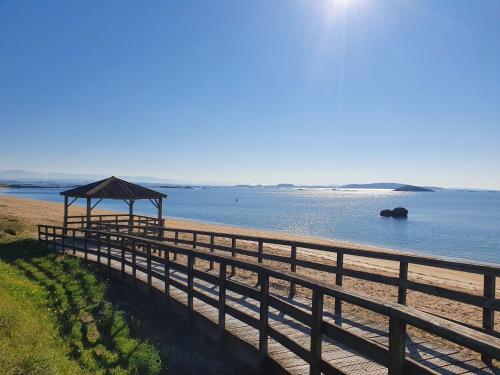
<point>400,213</point>
<point>386,213</point>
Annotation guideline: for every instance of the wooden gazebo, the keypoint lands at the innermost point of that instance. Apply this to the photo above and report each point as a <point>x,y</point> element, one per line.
<point>112,188</point>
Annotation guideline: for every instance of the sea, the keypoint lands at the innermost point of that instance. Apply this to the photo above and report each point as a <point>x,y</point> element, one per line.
<point>448,223</point>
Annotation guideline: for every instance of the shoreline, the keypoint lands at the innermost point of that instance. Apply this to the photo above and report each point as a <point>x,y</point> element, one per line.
<point>45,212</point>
<point>186,223</point>
<point>35,212</point>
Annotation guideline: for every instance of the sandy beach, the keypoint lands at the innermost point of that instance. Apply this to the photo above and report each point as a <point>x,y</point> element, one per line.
<point>41,212</point>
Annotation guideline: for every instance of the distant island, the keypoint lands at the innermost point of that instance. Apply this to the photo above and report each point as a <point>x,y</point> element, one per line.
<point>374,185</point>
<point>35,186</point>
<point>413,188</point>
<point>392,186</point>
<point>175,187</point>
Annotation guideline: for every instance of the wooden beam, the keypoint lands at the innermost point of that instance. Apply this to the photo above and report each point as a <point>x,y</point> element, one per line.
<point>160,214</point>
<point>99,201</point>
<point>130,215</point>
<point>89,210</point>
<point>73,201</point>
<point>489,314</point>
<point>264,320</point>
<point>397,338</point>
<point>65,211</point>
<point>403,278</point>
<point>316,334</point>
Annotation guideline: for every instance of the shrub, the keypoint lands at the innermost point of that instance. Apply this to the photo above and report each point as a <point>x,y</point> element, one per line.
<point>145,360</point>
<point>125,346</point>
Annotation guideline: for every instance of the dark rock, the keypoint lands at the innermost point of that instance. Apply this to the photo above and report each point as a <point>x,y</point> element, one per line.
<point>386,213</point>
<point>400,213</point>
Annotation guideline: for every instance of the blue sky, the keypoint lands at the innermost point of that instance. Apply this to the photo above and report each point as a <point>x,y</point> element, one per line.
<point>318,92</point>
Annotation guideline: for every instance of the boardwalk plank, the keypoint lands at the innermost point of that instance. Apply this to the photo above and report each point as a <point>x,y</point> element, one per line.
<point>434,355</point>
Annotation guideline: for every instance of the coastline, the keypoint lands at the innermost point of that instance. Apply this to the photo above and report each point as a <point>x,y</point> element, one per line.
<point>44,212</point>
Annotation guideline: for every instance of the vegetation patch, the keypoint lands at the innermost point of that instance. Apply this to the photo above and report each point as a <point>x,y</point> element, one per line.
<point>55,316</point>
<point>10,226</point>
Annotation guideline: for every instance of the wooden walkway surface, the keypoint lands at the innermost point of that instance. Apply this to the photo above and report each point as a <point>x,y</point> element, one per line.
<point>441,359</point>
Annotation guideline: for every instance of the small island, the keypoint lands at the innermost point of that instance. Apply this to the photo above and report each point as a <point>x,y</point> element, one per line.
<point>413,188</point>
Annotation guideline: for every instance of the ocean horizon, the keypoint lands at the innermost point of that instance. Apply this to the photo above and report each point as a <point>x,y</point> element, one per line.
<point>448,223</point>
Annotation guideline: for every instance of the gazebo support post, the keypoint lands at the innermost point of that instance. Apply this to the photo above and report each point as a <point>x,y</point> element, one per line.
<point>130,215</point>
<point>65,212</point>
<point>160,219</point>
<point>89,210</point>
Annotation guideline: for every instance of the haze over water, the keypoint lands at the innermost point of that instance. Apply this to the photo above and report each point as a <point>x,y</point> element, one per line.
<point>457,224</point>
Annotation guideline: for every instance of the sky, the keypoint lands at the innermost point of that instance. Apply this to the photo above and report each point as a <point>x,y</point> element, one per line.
<point>254,92</point>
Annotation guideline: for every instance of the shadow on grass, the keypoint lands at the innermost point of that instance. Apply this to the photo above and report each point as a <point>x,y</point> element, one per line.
<point>109,325</point>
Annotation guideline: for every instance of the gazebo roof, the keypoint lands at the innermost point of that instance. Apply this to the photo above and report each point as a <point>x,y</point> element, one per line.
<point>113,188</point>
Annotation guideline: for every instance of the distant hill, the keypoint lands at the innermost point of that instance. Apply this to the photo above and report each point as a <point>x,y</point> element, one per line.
<point>375,185</point>
<point>15,176</point>
<point>413,188</point>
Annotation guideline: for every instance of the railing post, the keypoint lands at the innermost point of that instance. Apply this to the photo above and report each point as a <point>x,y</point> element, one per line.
<point>166,271</point>
<point>123,257</point>
<point>108,240</point>
<point>63,242</point>
<point>54,246</point>
<point>233,254</point>
<point>403,277</point>
<point>261,250</point>
<point>176,237</point>
<point>222,300</point>
<point>134,270</point>
<point>259,257</point>
<point>316,334</point>
<point>397,338</point>
<point>74,242</point>
<point>264,319</point>
<point>86,245</point>
<point>194,245</point>
<point>338,281</point>
<point>293,268</point>
<point>212,241</point>
<point>190,284</point>
<point>98,234</point>
<point>489,313</point>
<point>150,277</point>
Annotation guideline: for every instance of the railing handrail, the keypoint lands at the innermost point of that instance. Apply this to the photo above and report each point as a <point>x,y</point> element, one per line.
<point>487,301</point>
<point>462,265</point>
<point>112,215</point>
<point>398,314</point>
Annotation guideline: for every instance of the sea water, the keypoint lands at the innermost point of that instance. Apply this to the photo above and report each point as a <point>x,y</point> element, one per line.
<point>458,224</point>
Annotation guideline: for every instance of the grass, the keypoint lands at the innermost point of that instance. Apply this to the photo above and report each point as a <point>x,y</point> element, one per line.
<point>56,317</point>
<point>10,226</point>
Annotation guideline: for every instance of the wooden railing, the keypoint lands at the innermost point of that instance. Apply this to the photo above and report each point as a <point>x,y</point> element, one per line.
<point>214,241</point>
<point>392,356</point>
<point>116,219</point>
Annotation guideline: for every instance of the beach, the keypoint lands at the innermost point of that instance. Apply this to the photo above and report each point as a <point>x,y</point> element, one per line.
<point>42,212</point>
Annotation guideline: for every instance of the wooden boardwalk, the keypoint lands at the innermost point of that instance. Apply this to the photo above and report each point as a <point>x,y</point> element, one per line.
<point>431,354</point>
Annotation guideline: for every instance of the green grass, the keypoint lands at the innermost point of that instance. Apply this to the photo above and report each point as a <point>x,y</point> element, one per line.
<point>55,317</point>
<point>10,226</point>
